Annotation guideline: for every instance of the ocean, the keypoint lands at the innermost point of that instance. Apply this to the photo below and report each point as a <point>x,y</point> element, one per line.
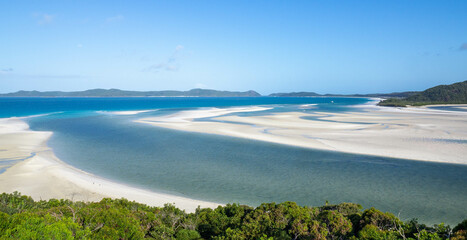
<point>232,170</point>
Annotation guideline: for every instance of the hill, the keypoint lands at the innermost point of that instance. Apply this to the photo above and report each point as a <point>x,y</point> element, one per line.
<point>295,94</point>
<point>443,94</point>
<point>122,93</point>
<point>383,95</point>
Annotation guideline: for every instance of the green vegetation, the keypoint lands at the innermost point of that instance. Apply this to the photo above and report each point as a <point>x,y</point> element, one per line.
<point>121,93</point>
<point>443,94</point>
<point>23,218</point>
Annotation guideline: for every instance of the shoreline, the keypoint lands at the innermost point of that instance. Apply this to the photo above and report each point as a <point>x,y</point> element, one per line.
<point>412,134</point>
<point>44,176</point>
<point>462,106</point>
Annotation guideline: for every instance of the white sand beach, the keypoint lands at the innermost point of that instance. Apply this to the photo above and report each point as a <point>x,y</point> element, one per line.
<point>43,176</point>
<point>460,106</point>
<point>409,133</point>
<point>127,112</point>
<point>190,115</point>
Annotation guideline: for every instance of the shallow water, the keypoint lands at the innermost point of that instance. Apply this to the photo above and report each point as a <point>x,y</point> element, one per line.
<point>225,169</point>
<point>16,107</point>
<point>449,108</point>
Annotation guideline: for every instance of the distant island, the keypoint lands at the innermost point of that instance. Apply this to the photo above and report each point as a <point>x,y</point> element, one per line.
<point>443,94</point>
<point>313,94</point>
<point>197,92</point>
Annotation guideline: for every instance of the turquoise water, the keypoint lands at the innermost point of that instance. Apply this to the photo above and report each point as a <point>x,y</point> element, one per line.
<point>225,169</point>
<point>17,107</point>
<point>449,108</point>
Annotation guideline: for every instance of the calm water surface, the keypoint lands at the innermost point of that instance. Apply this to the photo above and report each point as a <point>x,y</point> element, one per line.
<point>226,169</point>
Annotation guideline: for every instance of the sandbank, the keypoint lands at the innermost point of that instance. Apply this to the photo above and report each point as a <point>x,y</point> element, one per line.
<point>408,133</point>
<point>461,106</point>
<point>43,176</point>
<point>130,112</point>
<point>190,115</point>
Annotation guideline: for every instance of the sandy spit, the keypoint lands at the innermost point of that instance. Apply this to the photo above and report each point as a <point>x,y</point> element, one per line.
<point>43,176</point>
<point>408,133</point>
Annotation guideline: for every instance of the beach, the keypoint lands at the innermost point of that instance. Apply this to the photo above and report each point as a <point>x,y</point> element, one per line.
<point>409,133</point>
<point>41,175</point>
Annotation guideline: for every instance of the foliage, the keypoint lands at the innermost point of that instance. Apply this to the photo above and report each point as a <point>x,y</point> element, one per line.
<point>443,94</point>
<point>23,218</point>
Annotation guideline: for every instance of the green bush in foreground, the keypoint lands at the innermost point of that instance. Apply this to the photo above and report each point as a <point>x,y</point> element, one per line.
<point>23,218</point>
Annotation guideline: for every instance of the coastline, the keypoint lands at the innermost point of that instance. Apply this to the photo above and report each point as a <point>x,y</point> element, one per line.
<point>43,176</point>
<point>462,106</point>
<point>413,134</point>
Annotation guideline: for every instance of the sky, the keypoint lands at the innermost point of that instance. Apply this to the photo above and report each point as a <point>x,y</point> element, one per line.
<point>269,46</point>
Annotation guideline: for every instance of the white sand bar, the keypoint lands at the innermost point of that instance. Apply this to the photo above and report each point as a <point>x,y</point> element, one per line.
<point>43,176</point>
<point>126,112</point>
<point>409,133</point>
<point>190,115</point>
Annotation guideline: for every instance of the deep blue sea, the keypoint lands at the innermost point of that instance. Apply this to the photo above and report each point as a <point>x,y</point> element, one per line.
<point>226,169</point>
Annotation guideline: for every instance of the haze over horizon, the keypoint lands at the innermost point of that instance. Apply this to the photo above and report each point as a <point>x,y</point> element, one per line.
<point>267,46</point>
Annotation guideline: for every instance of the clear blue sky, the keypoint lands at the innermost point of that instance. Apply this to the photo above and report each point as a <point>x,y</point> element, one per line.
<point>268,46</point>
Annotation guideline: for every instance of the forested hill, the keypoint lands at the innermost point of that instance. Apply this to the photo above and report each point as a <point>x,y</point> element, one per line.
<point>23,218</point>
<point>295,94</point>
<point>443,94</point>
<point>122,93</point>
